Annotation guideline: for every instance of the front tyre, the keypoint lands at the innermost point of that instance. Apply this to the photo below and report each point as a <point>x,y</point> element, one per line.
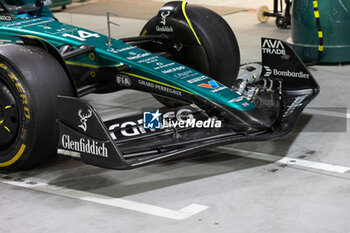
<point>215,53</point>
<point>30,80</point>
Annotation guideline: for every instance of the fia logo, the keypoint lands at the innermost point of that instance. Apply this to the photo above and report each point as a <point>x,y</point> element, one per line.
<point>84,118</point>
<point>123,80</point>
<point>152,120</point>
<point>164,15</point>
<point>273,47</point>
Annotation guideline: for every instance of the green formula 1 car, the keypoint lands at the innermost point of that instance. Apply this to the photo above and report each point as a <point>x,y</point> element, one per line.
<point>186,56</point>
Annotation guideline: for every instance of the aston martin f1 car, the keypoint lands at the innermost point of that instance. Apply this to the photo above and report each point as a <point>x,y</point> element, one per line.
<point>187,57</point>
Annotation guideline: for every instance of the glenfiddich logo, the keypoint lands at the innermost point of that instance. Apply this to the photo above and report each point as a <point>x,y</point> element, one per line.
<point>164,28</point>
<point>164,15</point>
<point>84,146</point>
<point>84,118</point>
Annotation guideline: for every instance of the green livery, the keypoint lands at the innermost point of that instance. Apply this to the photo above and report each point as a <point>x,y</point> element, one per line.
<point>187,57</point>
<point>142,63</point>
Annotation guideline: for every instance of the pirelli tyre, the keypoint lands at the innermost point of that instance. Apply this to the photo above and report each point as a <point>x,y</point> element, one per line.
<point>215,51</point>
<point>30,80</point>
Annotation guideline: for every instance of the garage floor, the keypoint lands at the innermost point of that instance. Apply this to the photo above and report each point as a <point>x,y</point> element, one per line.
<point>300,183</point>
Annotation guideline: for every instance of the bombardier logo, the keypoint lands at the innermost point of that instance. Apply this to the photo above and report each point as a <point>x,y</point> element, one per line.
<point>268,71</point>
<point>285,73</point>
<point>273,47</point>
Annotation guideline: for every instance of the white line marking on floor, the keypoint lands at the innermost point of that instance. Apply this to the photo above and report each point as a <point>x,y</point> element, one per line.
<point>325,112</point>
<point>285,160</point>
<point>181,214</point>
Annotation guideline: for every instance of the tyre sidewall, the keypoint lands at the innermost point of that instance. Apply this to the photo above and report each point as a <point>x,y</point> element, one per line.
<point>26,117</point>
<point>41,78</point>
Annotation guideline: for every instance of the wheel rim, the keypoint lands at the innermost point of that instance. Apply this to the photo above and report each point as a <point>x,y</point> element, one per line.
<point>261,17</point>
<point>9,116</point>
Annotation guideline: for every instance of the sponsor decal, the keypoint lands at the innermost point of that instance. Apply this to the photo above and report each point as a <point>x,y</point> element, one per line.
<point>218,89</point>
<point>186,74</point>
<point>135,56</point>
<point>238,99</point>
<point>161,65</point>
<point>164,28</point>
<point>198,79</point>
<point>297,103</point>
<point>151,120</point>
<point>268,71</point>
<point>149,60</point>
<point>164,15</point>
<point>28,23</point>
<point>6,18</point>
<point>160,87</point>
<point>84,118</point>
<point>211,85</point>
<point>45,27</point>
<point>84,146</point>
<point>129,129</point>
<point>273,47</point>
<point>285,73</point>
<point>171,70</point>
<point>113,50</point>
<point>123,80</point>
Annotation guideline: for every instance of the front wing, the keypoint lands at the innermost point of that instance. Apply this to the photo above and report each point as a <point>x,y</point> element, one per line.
<point>84,133</point>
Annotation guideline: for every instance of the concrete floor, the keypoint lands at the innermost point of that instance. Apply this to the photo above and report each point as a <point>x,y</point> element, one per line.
<point>237,188</point>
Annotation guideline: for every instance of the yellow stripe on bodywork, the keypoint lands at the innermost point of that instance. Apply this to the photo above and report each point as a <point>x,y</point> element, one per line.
<point>82,64</point>
<point>184,3</point>
<point>34,36</point>
<point>144,32</point>
<point>15,158</point>
<point>7,129</point>
<point>151,80</point>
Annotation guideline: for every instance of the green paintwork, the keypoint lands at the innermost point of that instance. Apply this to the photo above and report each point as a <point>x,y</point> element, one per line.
<point>141,62</point>
<point>335,23</point>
